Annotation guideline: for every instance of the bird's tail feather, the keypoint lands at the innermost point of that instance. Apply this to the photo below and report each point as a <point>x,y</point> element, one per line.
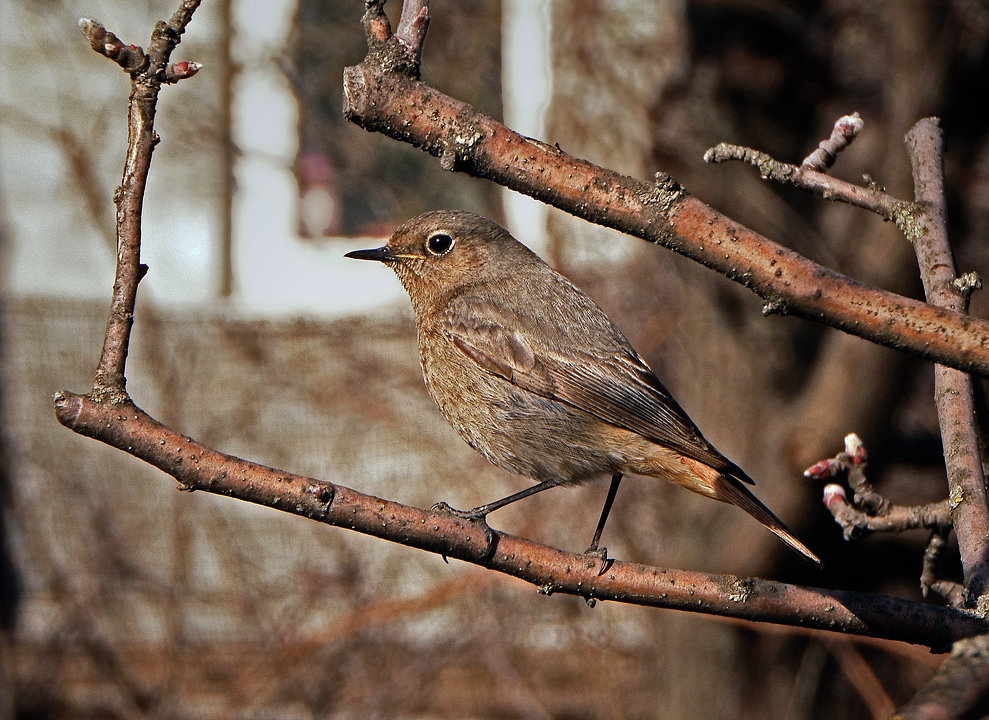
<point>737,494</point>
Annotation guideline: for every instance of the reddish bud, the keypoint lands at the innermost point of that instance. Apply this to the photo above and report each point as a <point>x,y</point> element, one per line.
<point>834,494</point>
<point>849,126</point>
<point>855,448</point>
<point>821,470</point>
<point>181,70</point>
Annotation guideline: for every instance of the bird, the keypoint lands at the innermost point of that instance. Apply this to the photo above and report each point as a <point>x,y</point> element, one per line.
<point>536,378</point>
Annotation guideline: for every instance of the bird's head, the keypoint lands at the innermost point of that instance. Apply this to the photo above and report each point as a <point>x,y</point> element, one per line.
<point>441,252</point>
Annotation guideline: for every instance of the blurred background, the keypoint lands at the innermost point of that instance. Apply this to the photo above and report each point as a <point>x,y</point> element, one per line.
<point>122,598</point>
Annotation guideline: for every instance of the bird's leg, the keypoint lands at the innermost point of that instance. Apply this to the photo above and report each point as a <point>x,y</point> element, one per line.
<point>481,512</point>
<point>602,553</point>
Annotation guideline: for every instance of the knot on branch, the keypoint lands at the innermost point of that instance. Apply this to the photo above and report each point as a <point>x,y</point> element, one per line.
<point>399,52</point>
<point>967,283</point>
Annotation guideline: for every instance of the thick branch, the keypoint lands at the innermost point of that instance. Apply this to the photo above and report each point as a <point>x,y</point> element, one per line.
<point>399,106</point>
<point>959,689</point>
<point>199,468</point>
<point>953,389</point>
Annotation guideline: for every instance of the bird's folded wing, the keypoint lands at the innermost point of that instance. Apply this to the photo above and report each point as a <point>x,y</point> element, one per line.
<point>610,382</point>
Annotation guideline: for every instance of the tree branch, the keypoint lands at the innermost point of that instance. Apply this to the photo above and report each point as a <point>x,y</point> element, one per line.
<point>197,467</point>
<point>812,179</point>
<point>148,72</point>
<point>869,511</point>
<point>959,689</point>
<point>387,98</point>
<point>953,391</point>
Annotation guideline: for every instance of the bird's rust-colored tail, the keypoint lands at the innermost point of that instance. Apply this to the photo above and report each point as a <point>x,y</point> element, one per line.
<point>721,486</point>
<point>738,494</point>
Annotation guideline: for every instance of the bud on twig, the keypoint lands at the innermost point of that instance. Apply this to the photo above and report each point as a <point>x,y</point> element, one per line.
<point>855,449</point>
<point>846,129</point>
<point>130,57</point>
<point>834,494</point>
<point>181,70</point>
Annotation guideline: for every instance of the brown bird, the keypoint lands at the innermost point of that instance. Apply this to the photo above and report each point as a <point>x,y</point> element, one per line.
<point>535,377</point>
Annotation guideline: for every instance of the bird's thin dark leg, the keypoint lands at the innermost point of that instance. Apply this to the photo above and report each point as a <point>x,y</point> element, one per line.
<point>480,512</point>
<point>616,480</point>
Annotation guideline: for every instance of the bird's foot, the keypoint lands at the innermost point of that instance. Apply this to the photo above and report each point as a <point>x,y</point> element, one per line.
<point>477,515</point>
<point>600,554</point>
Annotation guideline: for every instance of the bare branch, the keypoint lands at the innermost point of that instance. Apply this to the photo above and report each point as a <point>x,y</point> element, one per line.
<point>147,75</point>
<point>197,467</point>
<point>869,511</point>
<point>960,687</point>
<point>413,25</point>
<point>953,391</point>
<point>952,592</point>
<point>130,57</point>
<point>896,518</point>
<point>924,223</point>
<point>396,104</point>
<point>872,197</point>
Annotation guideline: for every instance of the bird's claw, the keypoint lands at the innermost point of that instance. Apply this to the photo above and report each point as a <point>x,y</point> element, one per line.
<point>602,555</point>
<point>462,514</point>
<point>473,516</point>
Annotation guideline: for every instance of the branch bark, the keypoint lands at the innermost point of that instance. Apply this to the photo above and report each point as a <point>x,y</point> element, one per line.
<point>148,72</point>
<point>953,391</point>
<point>383,95</point>
<point>197,467</point>
<point>959,689</point>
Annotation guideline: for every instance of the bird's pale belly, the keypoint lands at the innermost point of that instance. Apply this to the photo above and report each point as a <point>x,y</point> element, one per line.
<point>522,432</point>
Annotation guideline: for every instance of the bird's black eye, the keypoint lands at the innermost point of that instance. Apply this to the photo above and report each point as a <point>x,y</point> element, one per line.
<point>439,243</point>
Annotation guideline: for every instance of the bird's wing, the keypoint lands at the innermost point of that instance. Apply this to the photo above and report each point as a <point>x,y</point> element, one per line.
<point>603,376</point>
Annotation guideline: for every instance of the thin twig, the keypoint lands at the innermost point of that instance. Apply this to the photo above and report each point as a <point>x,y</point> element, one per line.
<point>870,197</point>
<point>148,72</point>
<point>952,592</point>
<point>870,511</point>
<point>895,518</point>
<point>412,26</point>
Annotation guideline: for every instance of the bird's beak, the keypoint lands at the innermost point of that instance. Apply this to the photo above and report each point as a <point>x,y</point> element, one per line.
<point>382,254</point>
